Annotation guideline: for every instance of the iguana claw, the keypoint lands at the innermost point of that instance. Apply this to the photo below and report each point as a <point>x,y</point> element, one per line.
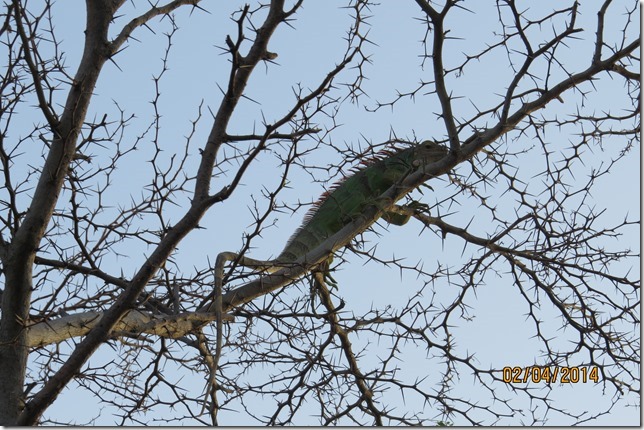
<point>418,206</point>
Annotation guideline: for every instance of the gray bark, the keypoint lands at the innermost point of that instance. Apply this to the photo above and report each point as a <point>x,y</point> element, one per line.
<point>21,251</point>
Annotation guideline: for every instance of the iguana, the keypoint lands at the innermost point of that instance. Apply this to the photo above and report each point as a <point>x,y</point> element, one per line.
<point>344,202</point>
<point>338,207</point>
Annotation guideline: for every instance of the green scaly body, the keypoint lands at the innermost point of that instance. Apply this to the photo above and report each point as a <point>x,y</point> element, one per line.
<point>345,202</point>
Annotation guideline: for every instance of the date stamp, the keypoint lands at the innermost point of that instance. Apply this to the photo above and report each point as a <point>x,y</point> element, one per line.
<point>548,375</point>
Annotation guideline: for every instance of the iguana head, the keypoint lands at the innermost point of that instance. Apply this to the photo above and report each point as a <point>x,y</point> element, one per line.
<point>428,152</point>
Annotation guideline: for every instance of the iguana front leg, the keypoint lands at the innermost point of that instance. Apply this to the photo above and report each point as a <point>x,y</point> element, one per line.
<point>400,215</point>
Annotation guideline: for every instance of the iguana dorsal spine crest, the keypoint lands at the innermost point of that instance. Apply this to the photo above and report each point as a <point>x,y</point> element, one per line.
<point>348,198</point>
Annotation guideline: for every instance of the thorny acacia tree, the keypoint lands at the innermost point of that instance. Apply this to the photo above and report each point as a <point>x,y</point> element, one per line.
<point>517,202</point>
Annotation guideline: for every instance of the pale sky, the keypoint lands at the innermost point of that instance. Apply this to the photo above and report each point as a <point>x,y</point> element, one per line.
<point>499,332</point>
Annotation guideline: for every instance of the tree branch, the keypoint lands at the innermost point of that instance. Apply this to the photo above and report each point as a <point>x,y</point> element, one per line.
<point>143,19</point>
<point>132,324</point>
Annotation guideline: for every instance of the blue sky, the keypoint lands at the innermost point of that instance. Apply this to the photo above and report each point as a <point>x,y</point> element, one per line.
<point>499,332</point>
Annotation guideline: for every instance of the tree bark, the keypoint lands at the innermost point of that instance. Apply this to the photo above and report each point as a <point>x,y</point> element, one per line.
<point>19,258</point>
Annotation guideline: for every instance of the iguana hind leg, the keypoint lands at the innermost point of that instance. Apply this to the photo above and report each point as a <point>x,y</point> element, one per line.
<point>266,266</point>
<point>259,265</point>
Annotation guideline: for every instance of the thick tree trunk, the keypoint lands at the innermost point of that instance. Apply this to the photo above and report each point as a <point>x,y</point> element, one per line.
<point>13,336</point>
<point>19,258</point>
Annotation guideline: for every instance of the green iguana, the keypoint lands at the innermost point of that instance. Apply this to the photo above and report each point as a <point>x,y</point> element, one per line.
<point>344,202</point>
<point>338,207</point>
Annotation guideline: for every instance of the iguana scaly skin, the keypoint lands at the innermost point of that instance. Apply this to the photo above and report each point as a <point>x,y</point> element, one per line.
<point>348,199</point>
<point>343,203</point>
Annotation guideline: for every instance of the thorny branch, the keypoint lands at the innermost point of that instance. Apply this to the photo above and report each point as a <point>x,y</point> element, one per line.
<point>515,199</point>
